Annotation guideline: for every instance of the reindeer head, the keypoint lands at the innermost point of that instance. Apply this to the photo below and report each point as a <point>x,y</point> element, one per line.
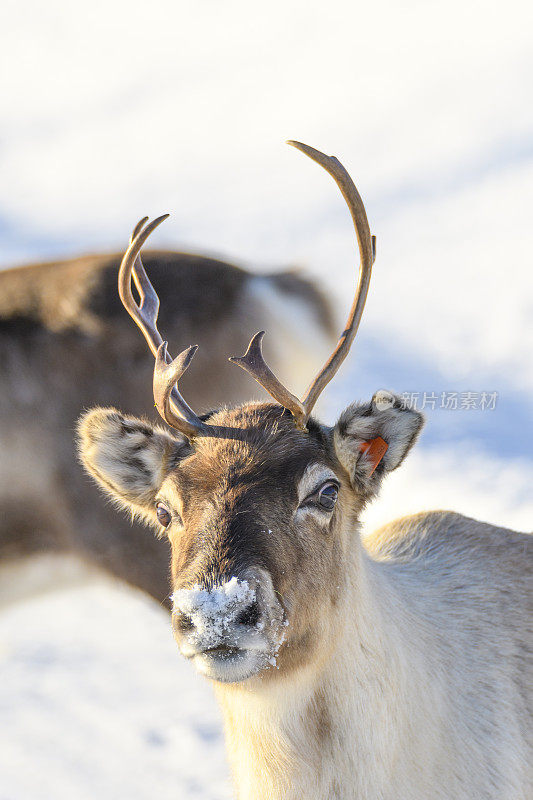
<point>259,502</point>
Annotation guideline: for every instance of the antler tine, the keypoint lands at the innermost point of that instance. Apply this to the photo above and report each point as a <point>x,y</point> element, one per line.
<point>147,294</point>
<point>166,376</point>
<point>138,228</point>
<point>145,313</point>
<point>254,364</point>
<point>253,361</point>
<point>367,251</point>
<point>168,400</point>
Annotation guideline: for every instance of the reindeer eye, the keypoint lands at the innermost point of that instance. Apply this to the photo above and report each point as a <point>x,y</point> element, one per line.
<point>163,515</point>
<point>327,496</point>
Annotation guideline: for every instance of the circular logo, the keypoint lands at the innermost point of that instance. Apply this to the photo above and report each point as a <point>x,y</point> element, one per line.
<point>383,400</point>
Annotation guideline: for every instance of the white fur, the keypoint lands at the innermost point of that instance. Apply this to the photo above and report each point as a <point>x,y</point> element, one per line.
<point>313,477</point>
<point>418,687</point>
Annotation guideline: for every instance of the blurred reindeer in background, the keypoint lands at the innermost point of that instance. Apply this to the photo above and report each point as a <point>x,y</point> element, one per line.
<point>66,344</point>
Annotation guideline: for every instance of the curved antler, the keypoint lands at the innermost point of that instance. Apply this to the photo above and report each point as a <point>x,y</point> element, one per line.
<point>253,361</point>
<point>167,372</point>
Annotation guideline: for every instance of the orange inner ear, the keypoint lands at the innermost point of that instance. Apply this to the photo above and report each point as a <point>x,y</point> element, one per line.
<point>375,449</point>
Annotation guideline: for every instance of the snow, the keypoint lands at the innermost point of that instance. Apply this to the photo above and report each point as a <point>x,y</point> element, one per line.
<point>96,701</point>
<point>213,611</point>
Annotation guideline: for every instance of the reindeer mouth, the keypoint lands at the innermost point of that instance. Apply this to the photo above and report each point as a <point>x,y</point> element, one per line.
<point>227,664</point>
<point>230,632</point>
<point>222,651</point>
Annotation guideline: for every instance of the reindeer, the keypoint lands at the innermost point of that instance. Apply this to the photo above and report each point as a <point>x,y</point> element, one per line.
<point>398,670</point>
<point>66,343</point>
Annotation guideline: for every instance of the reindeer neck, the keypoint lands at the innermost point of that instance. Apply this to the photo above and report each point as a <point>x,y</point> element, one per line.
<point>292,738</point>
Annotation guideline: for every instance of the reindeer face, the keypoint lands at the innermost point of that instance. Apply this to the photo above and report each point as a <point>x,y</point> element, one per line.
<point>261,526</point>
<point>251,525</point>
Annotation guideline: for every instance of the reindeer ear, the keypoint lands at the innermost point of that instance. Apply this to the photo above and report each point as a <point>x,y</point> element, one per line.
<point>128,457</point>
<point>374,438</point>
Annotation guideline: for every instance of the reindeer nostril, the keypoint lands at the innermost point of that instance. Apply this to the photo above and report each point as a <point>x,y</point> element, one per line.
<point>250,615</point>
<point>184,623</point>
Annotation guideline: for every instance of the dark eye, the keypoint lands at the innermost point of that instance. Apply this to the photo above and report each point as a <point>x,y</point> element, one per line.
<point>163,515</point>
<point>327,496</point>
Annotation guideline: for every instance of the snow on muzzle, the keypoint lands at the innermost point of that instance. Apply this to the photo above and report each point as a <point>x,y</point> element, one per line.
<point>240,615</point>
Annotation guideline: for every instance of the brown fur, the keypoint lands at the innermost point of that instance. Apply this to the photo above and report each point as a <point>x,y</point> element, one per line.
<point>66,343</point>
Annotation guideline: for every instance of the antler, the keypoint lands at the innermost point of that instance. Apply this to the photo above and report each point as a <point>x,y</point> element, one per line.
<point>167,372</point>
<point>253,361</point>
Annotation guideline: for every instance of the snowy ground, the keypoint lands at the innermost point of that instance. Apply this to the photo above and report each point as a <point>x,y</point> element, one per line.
<point>95,702</point>
<point>121,109</point>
